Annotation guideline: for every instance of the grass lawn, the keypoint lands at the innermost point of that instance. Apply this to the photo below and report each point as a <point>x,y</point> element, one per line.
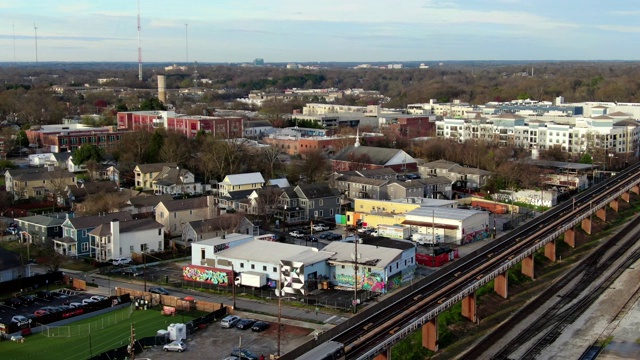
<point>38,346</point>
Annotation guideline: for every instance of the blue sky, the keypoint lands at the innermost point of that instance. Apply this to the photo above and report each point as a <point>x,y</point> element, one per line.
<point>320,30</point>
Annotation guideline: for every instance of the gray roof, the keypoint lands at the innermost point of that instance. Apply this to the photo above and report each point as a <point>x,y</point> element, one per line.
<point>409,184</point>
<point>370,255</point>
<point>127,226</point>
<point>8,259</point>
<point>237,195</point>
<point>62,157</point>
<point>185,204</point>
<point>155,167</point>
<point>363,180</point>
<point>222,222</point>
<point>85,222</point>
<point>31,174</point>
<point>443,213</point>
<point>144,201</point>
<point>170,176</point>
<point>273,252</point>
<point>366,154</point>
<point>434,180</point>
<point>317,190</point>
<point>42,220</point>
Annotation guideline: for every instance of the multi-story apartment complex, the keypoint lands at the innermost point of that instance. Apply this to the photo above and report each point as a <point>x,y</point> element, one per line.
<point>190,126</point>
<point>69,137</point>
<point>604,132</point>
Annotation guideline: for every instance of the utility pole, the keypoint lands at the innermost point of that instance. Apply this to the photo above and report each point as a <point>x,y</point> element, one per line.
<point>132,352</point>
<point>355,267</point>
<point>279,293</point>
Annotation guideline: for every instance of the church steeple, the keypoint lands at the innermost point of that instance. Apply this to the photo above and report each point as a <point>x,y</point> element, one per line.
<point>357,137</point>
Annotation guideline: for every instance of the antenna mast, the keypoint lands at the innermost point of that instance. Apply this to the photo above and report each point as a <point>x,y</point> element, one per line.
<point>186,39</point>
<point>139,47</point>
<point>14,43</point>
<point>35,28</point>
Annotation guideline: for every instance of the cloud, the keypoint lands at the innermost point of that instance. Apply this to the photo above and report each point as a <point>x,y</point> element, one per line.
<point>619,28</point>
<point>625,13</point>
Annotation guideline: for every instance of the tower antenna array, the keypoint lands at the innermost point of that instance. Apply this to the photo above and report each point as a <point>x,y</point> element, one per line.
<point>35,29</point>
<point>186,39</point>
<point>139,47</point>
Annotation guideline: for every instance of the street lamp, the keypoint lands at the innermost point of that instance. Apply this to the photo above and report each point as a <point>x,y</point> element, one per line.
<point>225,262</point>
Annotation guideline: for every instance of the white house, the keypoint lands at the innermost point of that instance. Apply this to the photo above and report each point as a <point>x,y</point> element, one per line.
<point>123,238</point>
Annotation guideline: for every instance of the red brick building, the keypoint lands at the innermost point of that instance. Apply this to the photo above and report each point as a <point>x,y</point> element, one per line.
<point>299,145</point>
<point>69,137</point>
<point>224,127</point>
<point>414,126</point>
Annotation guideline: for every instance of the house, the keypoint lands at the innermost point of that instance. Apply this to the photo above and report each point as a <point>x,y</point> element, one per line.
<point>175,181</point>
<point>39,228</point>
<point>238,182</point>
<point>361,187</point>
<point>112,174</point>
<point>145,173</point>
<point>143,203</point>
<point>281,182</point>
<point>77,194</point>
<point>11,267</point>
<point>404,189</point>
<point>306,202</point>
<point>175,214</point>
<point>58,160</point>
<point>75,232</point>
<point>224,224</point>
<point>37,182</point>
<point>437,187</point>
<point>123,238</point>
<point>370,157</point>
<point>462,177</point>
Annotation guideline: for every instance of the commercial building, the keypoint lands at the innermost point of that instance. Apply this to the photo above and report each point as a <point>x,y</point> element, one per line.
<point>69,137</point>
<point>190,126</point>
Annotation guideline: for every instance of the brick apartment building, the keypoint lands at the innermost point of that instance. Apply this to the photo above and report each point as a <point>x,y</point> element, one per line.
<point>224,127</point>
<point>69,137</point>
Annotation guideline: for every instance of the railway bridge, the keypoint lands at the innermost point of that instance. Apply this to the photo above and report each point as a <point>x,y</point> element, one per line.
<point>372,333</point>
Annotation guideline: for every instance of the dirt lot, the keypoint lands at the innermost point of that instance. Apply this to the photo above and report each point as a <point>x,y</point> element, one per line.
<point>216,343</point>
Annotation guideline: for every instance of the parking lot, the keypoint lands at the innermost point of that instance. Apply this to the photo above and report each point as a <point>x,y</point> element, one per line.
<point>217,343</point>
<point>62,297</point>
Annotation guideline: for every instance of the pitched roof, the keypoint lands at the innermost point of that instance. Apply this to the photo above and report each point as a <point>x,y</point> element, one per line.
<point>155,167</point>
<point>62,157</point>
<point>170,176</point>
<point>439,164</point>
<point>31,174</point>
<point>42,220</point>
<point>85,222</point>
<point>619,113</point>
<point>222,222</point>
<point>8,259</point>
<point>144,201</point>
<point>237,195</point>
<point>185,204</point>
<point>366,154</point>
<point>602,117</point>
<point>434,180</point>
<point>282,182</point>
<point>317,190</point>
<point>409,184</point>
<point>363,180</point>
<point>241,179</point>
<point>127,226</point>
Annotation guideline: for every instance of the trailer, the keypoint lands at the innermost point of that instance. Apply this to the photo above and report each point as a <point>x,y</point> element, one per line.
<point>394,232</point>
<point>427,239</point>
<point>252,278</point>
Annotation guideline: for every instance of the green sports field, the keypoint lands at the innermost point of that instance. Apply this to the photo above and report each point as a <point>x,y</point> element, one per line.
<point>81,347</point>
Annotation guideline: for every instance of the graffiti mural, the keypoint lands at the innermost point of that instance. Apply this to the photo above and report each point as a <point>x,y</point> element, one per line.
<point>475,236</point>
<point>206,274</point>
<point>371,281</point>
<point>395,282</point>
<point>220,247</point>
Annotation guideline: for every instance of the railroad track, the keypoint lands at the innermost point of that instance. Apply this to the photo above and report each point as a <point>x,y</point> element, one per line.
<point>567,309</point>
<point>371,331</point>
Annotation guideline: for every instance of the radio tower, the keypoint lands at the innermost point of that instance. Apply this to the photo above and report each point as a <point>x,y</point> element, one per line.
<point>35,29</point>
<point>139,47</point>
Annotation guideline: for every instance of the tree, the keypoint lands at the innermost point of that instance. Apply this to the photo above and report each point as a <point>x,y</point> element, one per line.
<point>22,140</point>
<point>152,103</point>
<point>315,166</point>
<point>175,148</point>
<point>88,152</point>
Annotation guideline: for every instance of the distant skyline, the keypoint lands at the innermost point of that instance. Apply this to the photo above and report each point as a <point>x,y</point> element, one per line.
<point>328,30</point>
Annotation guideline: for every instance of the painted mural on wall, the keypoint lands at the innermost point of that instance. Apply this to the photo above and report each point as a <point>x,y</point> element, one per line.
<point>475,236</point>
<point>206,274</point>
<point>371,281</point>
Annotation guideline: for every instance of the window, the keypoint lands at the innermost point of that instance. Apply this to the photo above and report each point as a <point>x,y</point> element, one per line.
<point>84,233</point>
<point>120,251</point>
<point>131,248</point>
<point>190,212</point>
<point>343,266</point>
<point>242,265</point>
<point>160,245</point>
<point>161,214</point>
<point>175,215</point>
<point>253,266</point>
<point>159,232</point>
<point>85,247</point>
<point>264,268</point>
<point>202,254</point>
<point>321,213</point>
<point>320,202</point>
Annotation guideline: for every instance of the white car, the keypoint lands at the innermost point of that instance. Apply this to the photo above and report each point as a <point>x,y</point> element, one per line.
<point>296,234</point>
<point>98,297</point>
<point>177,345</point>
<point>121,261</point>
<point>88,301</point>
<point>320,227</point>
<point>20,320</point>
<point>74,305</point>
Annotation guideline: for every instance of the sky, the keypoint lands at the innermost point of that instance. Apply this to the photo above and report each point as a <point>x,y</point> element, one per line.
<point>319,30</point>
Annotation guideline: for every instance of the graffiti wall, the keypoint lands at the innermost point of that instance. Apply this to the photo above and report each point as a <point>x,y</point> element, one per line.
<point>206,274</point>
<point>370,281</point>
<point>475,236</point>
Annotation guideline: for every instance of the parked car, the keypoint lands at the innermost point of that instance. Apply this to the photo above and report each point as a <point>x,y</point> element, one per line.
<point>13,302</point>
<point>324,235</point>
<point>11,231</point>
<point>44,294</point>
<point>312,238</point>
<point>296,234</point>
<point>88,301</point>
<point>122,261</point>
<point>243,354</point>
<point>40,312</point>
<point>260,326</point>
<point>245,324</point>
<point>131,271</point>
<point>98,297</point>
<point>331,236</point>
<point>320,227</point>
<point>158,290</point>
<point>74,305</point>
<point>20,320</point>
<point>229,321</point>
<point>51,309</point>
<point>177,345</point>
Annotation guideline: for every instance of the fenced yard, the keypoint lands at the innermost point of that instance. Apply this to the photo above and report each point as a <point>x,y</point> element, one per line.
<point>97,337</point>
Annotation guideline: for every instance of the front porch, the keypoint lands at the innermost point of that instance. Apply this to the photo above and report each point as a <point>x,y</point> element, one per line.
<point>67,246</point>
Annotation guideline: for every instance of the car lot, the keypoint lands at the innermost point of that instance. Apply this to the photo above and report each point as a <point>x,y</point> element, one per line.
<point>41,303</point>
<point>224,341</point>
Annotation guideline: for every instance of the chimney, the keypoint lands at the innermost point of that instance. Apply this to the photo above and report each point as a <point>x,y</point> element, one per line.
<point>224,235</point>
<point>115,234</point>
<point>162,94</point>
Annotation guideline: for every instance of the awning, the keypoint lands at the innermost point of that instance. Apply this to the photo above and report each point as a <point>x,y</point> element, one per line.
<point>430,224</point>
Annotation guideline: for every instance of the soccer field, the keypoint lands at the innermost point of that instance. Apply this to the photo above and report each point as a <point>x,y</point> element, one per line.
<point>81,347</point>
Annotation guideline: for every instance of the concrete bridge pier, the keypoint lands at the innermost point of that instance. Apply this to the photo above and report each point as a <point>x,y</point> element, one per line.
<point>501,284</point>
<point>469,307</point>
<point>614,205</point>
<point>384,356</point>
<point>602,214</point>
<point>586,225</point>
<point>430,335</point>
<point>528,266</point>
<point>550,250</point>
<point>570,237</point>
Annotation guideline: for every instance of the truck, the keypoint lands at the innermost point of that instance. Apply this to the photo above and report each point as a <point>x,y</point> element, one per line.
<point>427,239</point>
<point>251,278</point>
<point>394,232</point>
